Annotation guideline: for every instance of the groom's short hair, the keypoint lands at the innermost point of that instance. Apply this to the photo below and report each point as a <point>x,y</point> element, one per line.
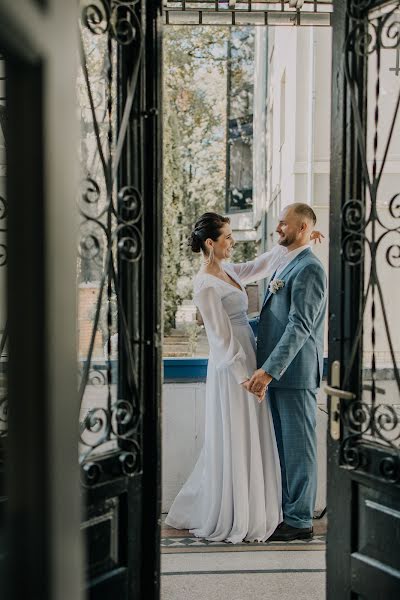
<point>305,211</point>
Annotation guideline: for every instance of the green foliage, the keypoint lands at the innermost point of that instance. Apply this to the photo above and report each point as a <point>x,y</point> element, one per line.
<point>244,251</point>
<point>194,148</point>
<point>174,184</point>
<point>195,134</point>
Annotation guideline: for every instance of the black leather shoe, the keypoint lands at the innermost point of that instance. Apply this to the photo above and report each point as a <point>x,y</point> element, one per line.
<point>287,533</point>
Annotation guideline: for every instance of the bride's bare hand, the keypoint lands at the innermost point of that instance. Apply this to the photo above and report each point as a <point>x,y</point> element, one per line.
<point>259,395</point>
<point>317,236</point>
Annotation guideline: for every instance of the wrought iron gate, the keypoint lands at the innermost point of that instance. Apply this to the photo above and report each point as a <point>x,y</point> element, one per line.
<point>119,255</point>
<point>364,440</point>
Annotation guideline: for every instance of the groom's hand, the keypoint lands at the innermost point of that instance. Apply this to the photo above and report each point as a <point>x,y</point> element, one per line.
<point>259,395</point>
<point>259,381</point>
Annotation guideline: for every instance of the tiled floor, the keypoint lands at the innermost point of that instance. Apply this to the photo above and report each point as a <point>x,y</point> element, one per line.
<point>195,569</point>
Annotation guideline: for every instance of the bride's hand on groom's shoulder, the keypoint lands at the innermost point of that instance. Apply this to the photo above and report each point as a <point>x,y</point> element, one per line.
<point>317,236</point>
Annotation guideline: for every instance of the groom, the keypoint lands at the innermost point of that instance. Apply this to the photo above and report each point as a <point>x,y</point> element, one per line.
<point>290,359</point>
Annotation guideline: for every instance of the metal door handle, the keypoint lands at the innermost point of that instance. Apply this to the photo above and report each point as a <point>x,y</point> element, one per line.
<point>335,393</point>
<point>336,396</point>
<point>334,425</point>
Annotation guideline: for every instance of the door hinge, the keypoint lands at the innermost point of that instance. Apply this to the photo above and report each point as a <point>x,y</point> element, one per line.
<point>336,396</point>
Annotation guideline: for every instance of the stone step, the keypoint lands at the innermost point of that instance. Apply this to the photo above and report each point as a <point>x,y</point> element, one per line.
<point>177,333</point>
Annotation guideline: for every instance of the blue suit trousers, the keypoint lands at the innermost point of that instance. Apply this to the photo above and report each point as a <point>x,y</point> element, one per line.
<point>294,415</point>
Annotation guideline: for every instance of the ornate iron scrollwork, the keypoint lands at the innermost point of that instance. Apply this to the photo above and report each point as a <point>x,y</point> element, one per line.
<point>116,18</point>
<point>110,234</point>
<point>389,468</point>
<point>370,231</point>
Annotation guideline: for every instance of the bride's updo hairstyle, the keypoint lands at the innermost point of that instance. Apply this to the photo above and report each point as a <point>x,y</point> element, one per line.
<point>207,226</point>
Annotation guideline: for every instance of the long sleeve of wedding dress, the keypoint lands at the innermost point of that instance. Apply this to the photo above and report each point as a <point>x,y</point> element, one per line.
<point>263,266</point>
<point>226,351</point>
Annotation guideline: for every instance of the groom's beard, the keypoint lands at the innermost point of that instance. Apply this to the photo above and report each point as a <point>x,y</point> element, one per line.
<point>287,240</point>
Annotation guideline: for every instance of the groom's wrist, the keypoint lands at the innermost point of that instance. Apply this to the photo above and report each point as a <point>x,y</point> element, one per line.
<point>269,376</point>
<point>270,370</point>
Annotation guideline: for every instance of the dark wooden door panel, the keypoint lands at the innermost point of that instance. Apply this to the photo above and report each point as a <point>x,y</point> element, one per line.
<point>112,584</point>
<point>378,527</point>
<point>372,579</point>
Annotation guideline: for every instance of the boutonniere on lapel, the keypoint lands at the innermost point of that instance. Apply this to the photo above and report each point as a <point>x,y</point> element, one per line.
<point>276,285</point>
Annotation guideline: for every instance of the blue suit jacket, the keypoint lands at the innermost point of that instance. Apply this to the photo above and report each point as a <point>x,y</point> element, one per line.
<point>290,340</point>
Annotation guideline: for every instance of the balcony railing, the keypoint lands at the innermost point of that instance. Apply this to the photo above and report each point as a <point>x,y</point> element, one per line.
<point>264,12</point>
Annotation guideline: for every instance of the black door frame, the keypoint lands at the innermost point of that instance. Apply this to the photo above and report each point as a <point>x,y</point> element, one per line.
<point>363,477</point>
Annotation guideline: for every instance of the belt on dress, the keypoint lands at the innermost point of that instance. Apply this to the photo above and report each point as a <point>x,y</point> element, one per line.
<point>240,319</point>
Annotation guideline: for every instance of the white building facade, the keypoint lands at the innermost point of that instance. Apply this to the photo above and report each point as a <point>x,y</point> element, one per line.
<point>292,126</point>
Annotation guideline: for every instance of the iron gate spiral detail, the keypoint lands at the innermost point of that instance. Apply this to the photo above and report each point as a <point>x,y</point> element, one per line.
<point>371,233</point>
<point>110,234</point>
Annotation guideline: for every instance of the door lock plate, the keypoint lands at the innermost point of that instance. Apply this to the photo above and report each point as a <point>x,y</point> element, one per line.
<point>335,418</point>
<point>335,402</point>
<point>336,395</point>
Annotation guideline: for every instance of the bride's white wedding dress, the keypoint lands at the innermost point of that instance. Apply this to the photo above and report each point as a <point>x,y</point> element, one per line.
<point>234,491</point>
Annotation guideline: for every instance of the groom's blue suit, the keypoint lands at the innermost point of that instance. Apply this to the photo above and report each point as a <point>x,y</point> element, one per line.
<point>290,348</point>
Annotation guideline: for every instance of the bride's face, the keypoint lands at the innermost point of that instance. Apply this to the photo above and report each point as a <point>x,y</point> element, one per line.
<point>224,244</point>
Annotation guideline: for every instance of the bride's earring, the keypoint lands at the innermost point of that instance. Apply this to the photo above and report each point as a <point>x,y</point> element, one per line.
<point>210,258</point>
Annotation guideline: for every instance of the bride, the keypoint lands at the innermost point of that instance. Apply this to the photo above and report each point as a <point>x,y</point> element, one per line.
<point>234,492</point>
